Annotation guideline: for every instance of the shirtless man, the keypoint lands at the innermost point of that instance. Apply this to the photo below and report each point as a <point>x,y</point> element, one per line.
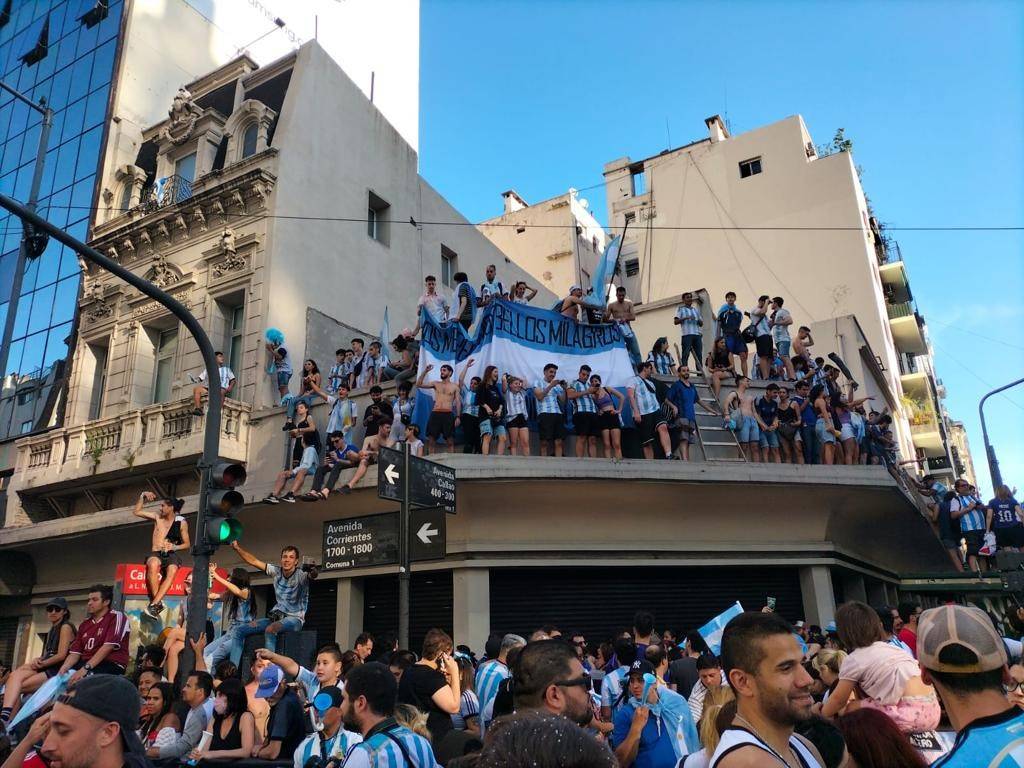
<point>621,313</point>
<point>447,402</point>
<point>571,304</point>
<point>371,447</point>
<point>170,535</point>
<point>802,344</point>
<point>748,422</point>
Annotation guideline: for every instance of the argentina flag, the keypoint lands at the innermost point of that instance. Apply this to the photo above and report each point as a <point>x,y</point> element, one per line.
<point>712,631</point>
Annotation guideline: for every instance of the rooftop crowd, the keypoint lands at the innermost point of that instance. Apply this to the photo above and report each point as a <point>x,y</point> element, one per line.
<point>880,687</point>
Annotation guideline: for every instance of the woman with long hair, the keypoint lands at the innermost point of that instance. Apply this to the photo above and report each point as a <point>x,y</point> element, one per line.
<point>28,677</point>
<point>492,411</point>
<point>707,727</point>
<point>824,428</point>
<point>403,404</point>
<point>241,611</point>
<point>308,387</point>
<point>789,429</point>
<point>664,363</point>
<point>468,716</point>
<point>516,414</point>
<point>160,726</point>
<point>874,741</point>
<point>609,404</point>
<point>432,684</point>
<point>304,425</point>
<point>828,662</point>
<point>233,726</point>
<point>719,367</point>
<point>1007,520</point>
<point>883,676</point>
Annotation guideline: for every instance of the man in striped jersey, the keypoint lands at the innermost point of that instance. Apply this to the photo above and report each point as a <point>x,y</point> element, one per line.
<point>971,514</point>
<point>368,707</point>
<point>647,413</point>
<point>491,673</point>
<point>611,686</point>
<point>550,394</point>
<point>584,417</point>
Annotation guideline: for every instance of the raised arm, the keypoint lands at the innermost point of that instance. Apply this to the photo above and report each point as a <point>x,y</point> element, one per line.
<point>289,666</point>
<point>423,374</point>
<point>248,557</point>
<point>144,497</point>
<point>241,594</point>
<point>465,370</point>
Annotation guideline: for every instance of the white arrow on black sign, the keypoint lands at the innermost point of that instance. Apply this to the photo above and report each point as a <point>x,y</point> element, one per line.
<point>425,533</point>
<point>391,474</point>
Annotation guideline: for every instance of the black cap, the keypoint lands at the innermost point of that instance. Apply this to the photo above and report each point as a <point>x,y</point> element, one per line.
<point>640,668</point>
<point>58,602</point>
<point>112,699</point>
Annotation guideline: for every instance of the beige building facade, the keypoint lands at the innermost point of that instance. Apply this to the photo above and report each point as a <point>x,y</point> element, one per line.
<point>558,241</point>
<point>762,213</point>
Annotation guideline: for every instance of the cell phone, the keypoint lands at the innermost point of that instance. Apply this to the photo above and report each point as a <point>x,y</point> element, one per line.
<point>771,603</point>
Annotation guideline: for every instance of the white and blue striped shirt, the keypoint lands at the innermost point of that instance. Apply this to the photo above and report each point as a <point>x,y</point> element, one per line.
<point>611,689</point>
<point>663,363</point>
<point>550,403</point>
<point>488,679</point>
<point>292,592</point>
<point>515,404</point>
<point>584,404</point>
<point>469,406</point>
<point>646,399</point>
<point>381,751</point>
<point>337,746</point>
<point>969,521</point>
<point>689,317</point>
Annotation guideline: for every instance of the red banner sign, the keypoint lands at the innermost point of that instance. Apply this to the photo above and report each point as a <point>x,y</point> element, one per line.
<point>132,578</point>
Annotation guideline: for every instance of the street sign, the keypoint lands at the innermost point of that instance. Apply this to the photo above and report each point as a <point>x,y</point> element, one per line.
<point>360,542</point>
<point>430,484</point>
<point>363,542</point>
<point>427,539</point>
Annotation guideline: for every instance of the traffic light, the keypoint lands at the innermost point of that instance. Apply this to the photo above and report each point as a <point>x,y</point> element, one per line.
<point>223,502</point>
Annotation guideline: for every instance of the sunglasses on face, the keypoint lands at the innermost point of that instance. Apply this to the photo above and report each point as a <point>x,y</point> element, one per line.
<point>583,681</point>
<point>53,609</point>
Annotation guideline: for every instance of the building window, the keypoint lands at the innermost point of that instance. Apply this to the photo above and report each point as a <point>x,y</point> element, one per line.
<point>637,179</point>
<point>26,427</point>
<point>249,140</point>
<point>185,167</point>
<point>234,340</point>
<point>449,265</point>
<point>166,347</point>
<point>99,380</point>
<point>126,197</point>
<point>750,167</point>
<point>377,213</point>
<point>632,267</point>
<point>27,396</point>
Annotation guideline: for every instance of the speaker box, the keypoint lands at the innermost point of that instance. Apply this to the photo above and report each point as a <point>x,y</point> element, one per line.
<point>300,646</point>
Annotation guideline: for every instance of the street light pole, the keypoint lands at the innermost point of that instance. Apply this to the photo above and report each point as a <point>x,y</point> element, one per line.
<point>28,238</point>
<point>201,550</point>
<point>990,452</point>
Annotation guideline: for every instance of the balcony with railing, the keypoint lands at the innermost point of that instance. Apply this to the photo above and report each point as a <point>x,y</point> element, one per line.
<point>159,434</point>
<point>164,192</point>
<point>907,327</point>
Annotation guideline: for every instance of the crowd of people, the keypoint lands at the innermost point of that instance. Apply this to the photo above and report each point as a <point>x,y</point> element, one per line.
<point>880,687</point>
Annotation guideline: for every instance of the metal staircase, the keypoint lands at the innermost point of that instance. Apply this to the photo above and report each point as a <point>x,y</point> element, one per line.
<point>717,443</point>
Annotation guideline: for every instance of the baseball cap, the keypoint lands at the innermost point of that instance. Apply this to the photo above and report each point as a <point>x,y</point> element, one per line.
<point>112,699</point>
<point>575,288</point>
<point>327,698</point>
<point>270,679</point>
<point>967,626</point>
<point>58,602</point>
<point>640,668</point>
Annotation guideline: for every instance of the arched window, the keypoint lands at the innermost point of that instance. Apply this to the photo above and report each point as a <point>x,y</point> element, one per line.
<point>249,140</point>
<point>126,197</point>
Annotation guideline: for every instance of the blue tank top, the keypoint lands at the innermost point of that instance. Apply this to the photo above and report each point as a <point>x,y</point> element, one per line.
<point>985,739</point>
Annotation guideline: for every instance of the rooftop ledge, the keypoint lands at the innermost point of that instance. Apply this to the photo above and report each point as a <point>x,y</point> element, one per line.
<point>508,469</point>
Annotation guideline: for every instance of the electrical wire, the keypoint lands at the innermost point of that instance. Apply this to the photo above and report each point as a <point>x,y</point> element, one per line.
<point>970,370</point>
<point>973,333</point>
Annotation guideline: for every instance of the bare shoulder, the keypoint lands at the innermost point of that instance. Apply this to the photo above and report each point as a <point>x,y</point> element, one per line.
<point>743,757</point>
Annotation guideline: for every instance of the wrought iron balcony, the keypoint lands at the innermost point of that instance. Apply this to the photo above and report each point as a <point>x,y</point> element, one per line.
<point>165,191</point>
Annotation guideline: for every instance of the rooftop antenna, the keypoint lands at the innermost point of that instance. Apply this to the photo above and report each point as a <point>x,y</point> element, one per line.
<point>728,125</point>
<point>668,134</point>
<point>278,24</point>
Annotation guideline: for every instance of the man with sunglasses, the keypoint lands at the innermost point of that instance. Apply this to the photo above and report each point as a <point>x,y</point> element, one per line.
<point>548,677</point>
<point>339,456</point>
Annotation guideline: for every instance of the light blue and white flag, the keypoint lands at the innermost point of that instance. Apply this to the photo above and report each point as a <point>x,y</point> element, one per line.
<point>46,693</point>
<point>385,339</point>
<point>521,340</point>
<point>603,274</point>
<point>712,631</point>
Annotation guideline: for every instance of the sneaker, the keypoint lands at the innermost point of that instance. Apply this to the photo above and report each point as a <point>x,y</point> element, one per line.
<point>288,426</point>
<point>197,411</point>
<point>271,499</point>
<point>289,497</point>
<point>345,489</point>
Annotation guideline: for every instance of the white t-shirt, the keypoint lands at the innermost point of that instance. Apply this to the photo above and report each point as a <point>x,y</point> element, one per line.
<point>781,332</point>
<point>226,376</point>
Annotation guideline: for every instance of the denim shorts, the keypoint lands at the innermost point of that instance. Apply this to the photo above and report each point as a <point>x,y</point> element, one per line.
<point>748,431</point>
<point>782,347</point>
<point>769,439</point>
<point>283,377</point>
<point>824,435</point>
<point>487,427</point>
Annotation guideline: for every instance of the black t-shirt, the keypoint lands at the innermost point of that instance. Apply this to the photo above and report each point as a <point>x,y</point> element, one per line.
<point>491,397</point>
<point>683,674</point>
<point>372,423</point>
<point>418,685</point>
<point>287,725</point>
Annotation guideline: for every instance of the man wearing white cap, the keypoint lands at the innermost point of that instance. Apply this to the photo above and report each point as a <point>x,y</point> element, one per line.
<point>571,304</point>
<point>964,658</point>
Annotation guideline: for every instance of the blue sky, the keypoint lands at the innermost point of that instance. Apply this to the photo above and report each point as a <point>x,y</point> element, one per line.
<point>539,95</point>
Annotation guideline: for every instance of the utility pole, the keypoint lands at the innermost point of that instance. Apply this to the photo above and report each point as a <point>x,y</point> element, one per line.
<point>990,452</point>
<point>403,552</point>
<point>32,243</point>
<point>201,549</point>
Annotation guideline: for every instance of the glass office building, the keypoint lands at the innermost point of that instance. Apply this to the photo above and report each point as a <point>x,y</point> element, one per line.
<point>64,51</point>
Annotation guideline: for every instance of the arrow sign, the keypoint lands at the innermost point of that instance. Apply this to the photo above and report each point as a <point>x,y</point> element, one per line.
<point>430,484</point>
<point>391,474</point>
<point>425,532</point>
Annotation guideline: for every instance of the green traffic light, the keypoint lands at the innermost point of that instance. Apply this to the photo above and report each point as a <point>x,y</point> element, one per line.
<point>225,530</point>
